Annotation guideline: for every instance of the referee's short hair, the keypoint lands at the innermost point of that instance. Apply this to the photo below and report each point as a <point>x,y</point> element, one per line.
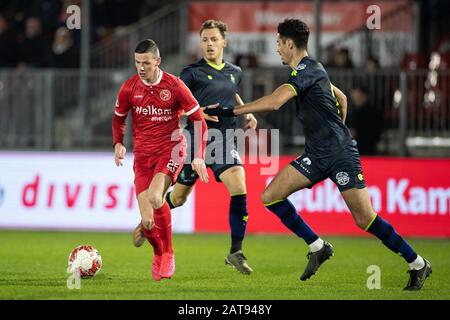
<point>146,46</point>
<point>296,30</point>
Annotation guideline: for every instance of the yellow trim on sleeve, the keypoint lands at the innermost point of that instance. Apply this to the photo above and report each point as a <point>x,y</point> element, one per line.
<point>334,96</point>
<point>293,88</point>
<point>332,91</point>
<point>373,219</point>
<point>269,204</point>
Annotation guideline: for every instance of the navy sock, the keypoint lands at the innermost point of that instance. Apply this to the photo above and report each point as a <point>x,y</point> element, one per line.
<point>169,201</point>
<point>286,211</point>
<point>238,221</point>
<point>391,239</point>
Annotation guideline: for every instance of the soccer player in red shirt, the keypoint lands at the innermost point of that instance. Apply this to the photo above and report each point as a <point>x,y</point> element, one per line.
<point>156,100</point>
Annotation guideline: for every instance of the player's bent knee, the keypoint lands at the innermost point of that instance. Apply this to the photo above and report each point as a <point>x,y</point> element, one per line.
<point>266,197</point>
<point>155,201</point>
<point>178,200</point>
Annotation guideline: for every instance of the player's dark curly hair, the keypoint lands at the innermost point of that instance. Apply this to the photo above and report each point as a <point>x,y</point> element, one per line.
<point>147,45</point>
<point>211,24</point>
<point>296,30</point>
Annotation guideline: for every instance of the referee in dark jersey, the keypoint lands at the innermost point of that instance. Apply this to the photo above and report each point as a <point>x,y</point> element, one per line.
<point>330,152</point>
<point>213,80</point>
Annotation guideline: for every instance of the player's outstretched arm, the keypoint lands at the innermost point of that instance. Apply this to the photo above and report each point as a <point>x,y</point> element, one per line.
<point>342,99</point>
<point>207,117</point>
<point>271,102</point>
<point>210,118</point>
<point>252,123</point>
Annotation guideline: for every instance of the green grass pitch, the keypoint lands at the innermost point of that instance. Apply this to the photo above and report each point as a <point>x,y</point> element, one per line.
<point>33,266</point>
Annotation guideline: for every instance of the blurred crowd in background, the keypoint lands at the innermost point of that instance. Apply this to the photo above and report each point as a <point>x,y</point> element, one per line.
<point>33,33</point>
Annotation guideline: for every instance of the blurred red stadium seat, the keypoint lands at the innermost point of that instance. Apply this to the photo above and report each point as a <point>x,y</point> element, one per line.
<point>414,61</point>
<point>445,61</point>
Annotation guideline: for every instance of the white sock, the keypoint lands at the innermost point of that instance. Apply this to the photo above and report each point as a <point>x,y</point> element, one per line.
<point>316,245</point>
<point>417,264</point>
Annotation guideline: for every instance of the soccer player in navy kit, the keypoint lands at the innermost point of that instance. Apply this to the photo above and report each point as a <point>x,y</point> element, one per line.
<point>213,80</point>
<point>330,152</point>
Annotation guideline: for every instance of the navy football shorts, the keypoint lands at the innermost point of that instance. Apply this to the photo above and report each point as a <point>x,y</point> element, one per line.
<point>344,168</point>
<point>220,156</point>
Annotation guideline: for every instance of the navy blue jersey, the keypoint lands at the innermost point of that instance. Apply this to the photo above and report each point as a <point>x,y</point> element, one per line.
<point>212,84</point>
<point>317,109</point>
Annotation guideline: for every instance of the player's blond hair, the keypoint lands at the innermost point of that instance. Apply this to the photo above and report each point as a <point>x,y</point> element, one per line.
<point>212,24</point>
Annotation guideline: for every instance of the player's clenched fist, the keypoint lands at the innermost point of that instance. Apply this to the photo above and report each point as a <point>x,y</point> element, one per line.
<point>119,153</point>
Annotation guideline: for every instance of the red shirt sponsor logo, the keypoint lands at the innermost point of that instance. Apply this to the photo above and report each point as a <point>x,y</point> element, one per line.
<point>156,111</point>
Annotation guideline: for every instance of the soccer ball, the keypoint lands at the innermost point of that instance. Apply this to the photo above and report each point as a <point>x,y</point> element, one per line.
<point>85,261</point>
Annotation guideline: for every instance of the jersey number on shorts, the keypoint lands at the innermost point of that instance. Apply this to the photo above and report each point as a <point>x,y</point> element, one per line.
<point>172,166</point>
